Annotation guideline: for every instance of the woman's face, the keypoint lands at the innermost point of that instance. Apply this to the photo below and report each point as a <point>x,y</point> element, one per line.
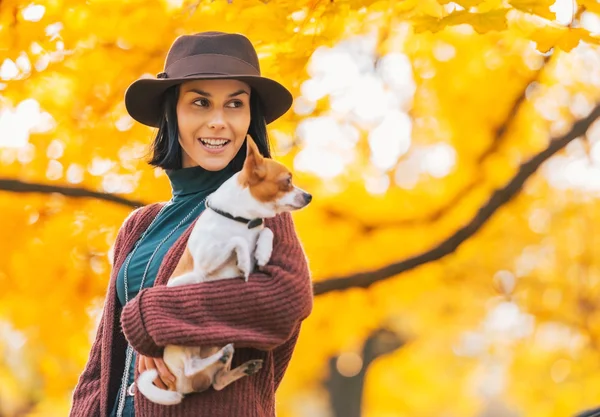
<point>213,117</point>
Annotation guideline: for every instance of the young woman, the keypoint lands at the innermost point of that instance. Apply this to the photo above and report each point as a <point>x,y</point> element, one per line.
<point>209,97</point>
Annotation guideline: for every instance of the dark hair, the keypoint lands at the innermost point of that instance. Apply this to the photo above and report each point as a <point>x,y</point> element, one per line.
<point>166,152</point>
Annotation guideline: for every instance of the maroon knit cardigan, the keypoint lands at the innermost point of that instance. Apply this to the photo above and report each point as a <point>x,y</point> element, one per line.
<point>261,317</point>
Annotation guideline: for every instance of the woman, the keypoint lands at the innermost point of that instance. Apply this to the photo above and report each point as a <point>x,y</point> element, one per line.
<point>209,97</point>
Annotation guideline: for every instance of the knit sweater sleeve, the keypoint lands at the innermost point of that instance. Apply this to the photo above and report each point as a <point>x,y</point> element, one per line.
<point>86,396</point>
<point>262,313</point>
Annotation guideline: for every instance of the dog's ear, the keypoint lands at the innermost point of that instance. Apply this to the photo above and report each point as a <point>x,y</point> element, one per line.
<point>251,148</point>
<point>254,169</point>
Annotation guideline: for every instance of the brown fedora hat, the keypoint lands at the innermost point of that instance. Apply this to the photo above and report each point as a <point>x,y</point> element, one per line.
<point>205,56</point>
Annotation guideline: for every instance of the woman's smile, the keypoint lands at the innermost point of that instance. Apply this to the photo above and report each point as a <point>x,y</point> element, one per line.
<point>214,145</point>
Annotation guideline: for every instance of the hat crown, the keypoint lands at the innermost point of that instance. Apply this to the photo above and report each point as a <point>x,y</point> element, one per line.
<point>206,56</point>
<point>219,43</point>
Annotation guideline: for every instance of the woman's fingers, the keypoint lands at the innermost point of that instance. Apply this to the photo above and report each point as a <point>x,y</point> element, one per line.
<point>148,363</point>
<point>158,381</point>
<point>164,373</point>
<point>142,364</point>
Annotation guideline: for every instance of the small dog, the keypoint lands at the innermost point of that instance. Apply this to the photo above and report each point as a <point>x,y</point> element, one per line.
<point>227,241</point>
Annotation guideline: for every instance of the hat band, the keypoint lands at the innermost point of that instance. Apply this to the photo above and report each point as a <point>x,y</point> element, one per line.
<point>208,64</point>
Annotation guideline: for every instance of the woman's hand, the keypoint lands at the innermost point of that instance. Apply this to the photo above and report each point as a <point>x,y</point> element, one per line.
<point>165,380</point>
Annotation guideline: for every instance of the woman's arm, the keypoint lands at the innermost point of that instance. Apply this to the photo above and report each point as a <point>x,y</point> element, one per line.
<point>86,396</point>
<point>262,313</point>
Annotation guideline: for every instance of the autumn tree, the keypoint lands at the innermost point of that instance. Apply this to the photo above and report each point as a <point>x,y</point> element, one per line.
<point>453,155</point>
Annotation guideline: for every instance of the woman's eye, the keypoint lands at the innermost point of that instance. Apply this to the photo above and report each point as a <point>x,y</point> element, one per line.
<point>235,104</point>
<point>202,102</point>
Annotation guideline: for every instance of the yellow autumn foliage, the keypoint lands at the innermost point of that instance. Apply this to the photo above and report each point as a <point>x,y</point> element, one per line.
<point>409,116</point>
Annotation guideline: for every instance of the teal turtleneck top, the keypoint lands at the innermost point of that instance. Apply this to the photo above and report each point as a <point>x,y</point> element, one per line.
<point>190,186</point>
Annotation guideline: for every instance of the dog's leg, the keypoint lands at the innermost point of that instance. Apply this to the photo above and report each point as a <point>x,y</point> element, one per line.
<point>194,365</point>
<point>244,262</point>
<point>220,256</point>
<point>222,379</point>
<point>191,277</point>
<point>225,368</point>
<point>264,247</point>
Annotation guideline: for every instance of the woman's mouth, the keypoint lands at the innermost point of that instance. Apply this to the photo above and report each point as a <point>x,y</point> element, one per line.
<point>214,144</point>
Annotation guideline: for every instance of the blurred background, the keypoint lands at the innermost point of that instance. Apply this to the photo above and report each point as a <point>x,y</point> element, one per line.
<point>454,159</point>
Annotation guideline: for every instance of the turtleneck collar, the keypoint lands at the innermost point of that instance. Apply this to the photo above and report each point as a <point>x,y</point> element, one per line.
<point>194,180</point>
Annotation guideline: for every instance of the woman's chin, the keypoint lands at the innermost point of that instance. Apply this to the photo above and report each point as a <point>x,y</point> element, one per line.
<point>213,163</point>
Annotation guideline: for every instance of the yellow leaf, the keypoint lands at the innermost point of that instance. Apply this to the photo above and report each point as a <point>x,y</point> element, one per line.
<point>486,22</point>
<point>464,3</point>
<point>489,5</point>
<point>537,7</point>
<point>564,38</point>
<point>431,8</point>
<point>404,6</point>
<point>590,5</point>
<point>427,23</point>
<point>481,22</point>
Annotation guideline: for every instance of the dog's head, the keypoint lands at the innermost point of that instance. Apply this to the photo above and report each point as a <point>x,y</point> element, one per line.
<point>270,184</point>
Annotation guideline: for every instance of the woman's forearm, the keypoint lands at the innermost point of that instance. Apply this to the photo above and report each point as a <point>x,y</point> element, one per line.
<point>261,313</point>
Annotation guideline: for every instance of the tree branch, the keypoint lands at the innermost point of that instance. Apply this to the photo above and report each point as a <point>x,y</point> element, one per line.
<point>497,200</point>
<point>17,186</point>
<point>366,279</point>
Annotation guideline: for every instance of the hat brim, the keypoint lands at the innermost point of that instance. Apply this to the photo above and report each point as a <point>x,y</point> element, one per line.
<point>143,98</point>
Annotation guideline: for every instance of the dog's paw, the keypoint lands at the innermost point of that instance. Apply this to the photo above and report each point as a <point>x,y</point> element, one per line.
<point>263,256</point>
<point>188,278</point>
<point>252,367</point>
<point>245,266</point>
<point>227,353</point>
<point>264,247</point>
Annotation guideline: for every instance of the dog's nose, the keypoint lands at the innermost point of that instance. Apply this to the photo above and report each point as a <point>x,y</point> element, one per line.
<point>307,198</point>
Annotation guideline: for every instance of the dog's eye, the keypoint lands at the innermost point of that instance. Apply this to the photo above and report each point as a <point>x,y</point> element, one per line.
<point>285,184</point>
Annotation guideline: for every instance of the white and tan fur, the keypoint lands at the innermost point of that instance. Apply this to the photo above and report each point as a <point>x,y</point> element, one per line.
<point>222,248</point>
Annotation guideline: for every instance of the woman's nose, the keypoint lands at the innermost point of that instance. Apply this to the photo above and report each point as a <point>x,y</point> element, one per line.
<point>216,121</point>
